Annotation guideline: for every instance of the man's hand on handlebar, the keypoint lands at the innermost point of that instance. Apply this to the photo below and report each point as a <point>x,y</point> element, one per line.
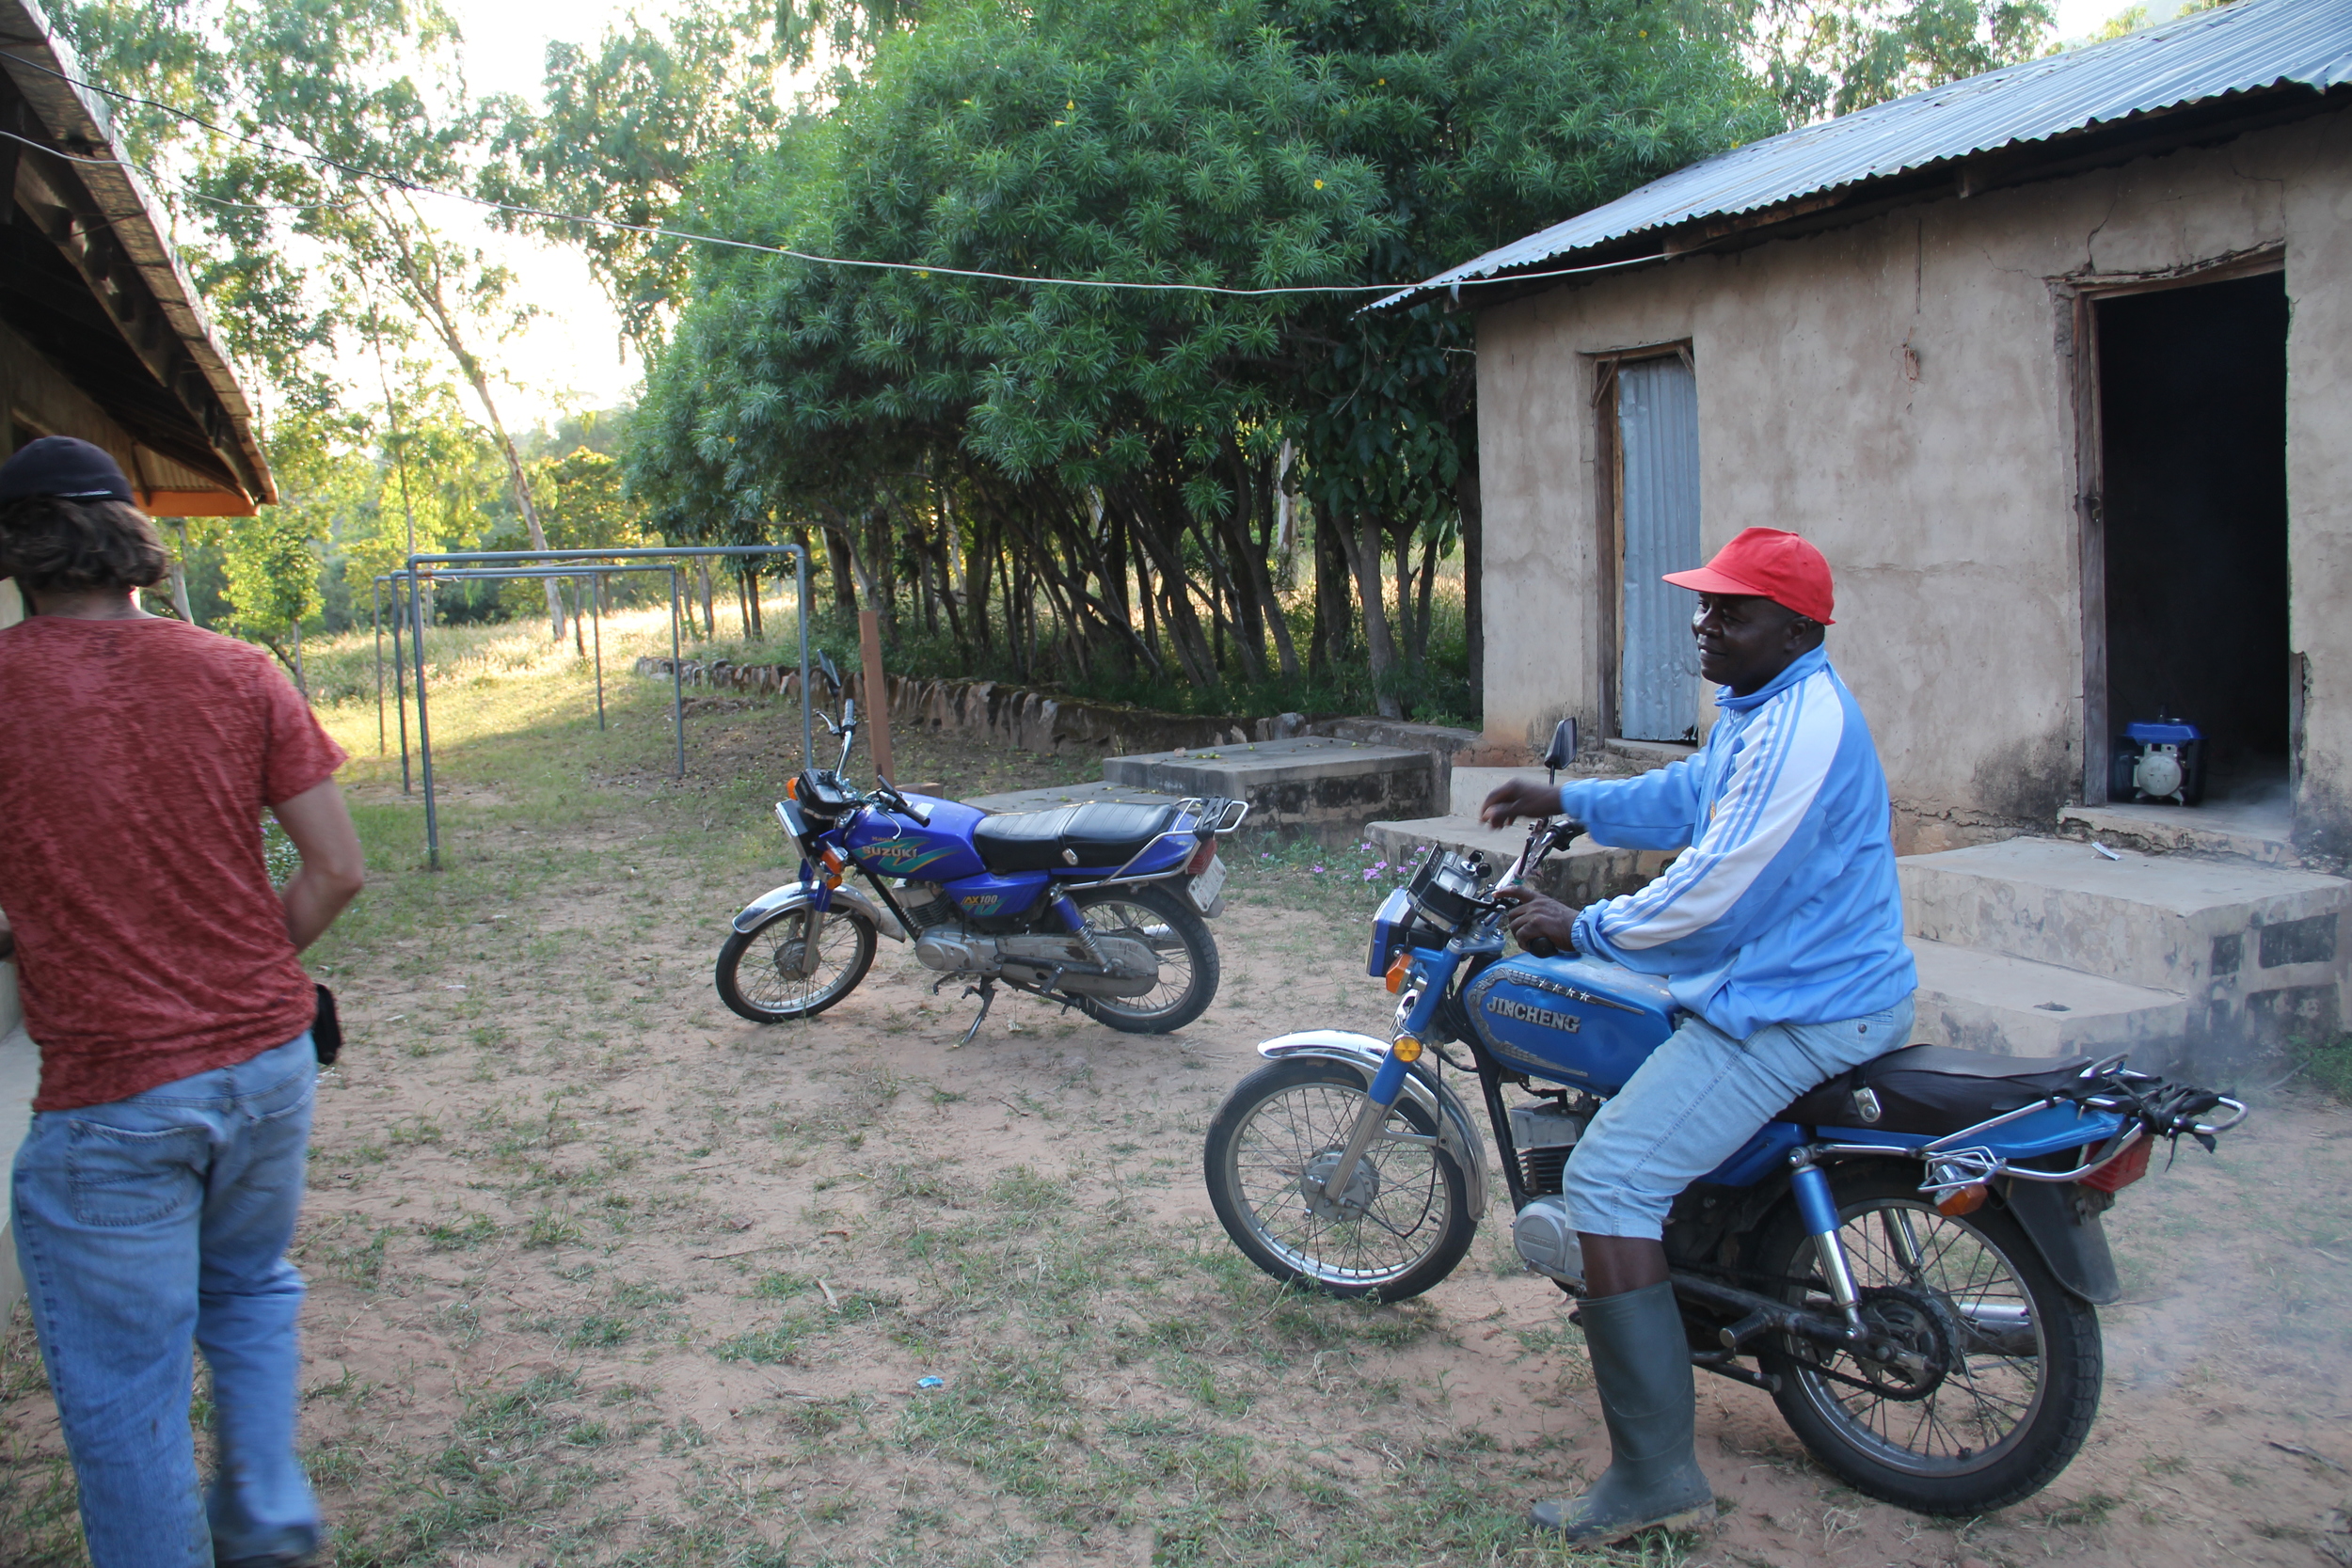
<point>1516,798</point>
<point>1532,915</point>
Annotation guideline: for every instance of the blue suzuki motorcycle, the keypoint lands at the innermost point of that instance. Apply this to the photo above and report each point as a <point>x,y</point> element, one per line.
<point>1908,1260</point>
<point>1102,906</point>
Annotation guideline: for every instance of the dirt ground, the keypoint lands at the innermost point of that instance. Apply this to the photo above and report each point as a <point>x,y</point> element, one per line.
<point>601,1274</point>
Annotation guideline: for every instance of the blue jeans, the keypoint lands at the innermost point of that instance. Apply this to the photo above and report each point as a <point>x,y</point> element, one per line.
<point>1695,1102</point>
<point>143,1224</point>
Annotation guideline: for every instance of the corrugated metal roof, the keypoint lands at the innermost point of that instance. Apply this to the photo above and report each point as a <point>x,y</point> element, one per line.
<point>2240,48</point>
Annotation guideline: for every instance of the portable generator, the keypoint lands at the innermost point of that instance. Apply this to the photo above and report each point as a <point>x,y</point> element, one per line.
<point>2164,760</point>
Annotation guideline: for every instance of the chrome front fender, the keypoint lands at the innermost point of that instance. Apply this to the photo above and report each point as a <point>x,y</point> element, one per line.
<point>1456,1135</point>
<point>793,894</point>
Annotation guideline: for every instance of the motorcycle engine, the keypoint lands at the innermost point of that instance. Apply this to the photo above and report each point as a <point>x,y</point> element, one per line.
<point>943,942</point>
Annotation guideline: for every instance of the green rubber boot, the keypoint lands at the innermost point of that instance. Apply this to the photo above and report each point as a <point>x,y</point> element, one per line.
<point>1642,1367</point>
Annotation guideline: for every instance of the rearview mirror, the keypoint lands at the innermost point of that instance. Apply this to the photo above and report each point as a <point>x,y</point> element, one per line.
<point>824,662</point>
<point>1562,750</point>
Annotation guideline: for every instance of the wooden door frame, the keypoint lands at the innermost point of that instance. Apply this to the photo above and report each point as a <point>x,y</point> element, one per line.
<point>2078,299</point>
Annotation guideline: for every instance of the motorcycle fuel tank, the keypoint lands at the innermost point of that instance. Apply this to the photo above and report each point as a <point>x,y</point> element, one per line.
<point>890,844</point>
<point>1574,1021</point>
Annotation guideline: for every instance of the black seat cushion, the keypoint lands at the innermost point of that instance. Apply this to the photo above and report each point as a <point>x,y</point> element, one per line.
<point>1934,1088</point>
<point>1099,834</point>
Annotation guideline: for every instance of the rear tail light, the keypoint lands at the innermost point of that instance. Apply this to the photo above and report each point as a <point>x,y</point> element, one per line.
<point>2121,1171</point>
<point>1201,858</point>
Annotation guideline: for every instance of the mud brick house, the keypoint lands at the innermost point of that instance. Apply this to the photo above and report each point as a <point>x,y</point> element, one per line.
<point>2055,365</point>
<point>101,337</point>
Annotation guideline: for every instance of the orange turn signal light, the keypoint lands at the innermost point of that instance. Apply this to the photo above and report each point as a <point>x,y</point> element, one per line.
<point>1962,1200</point>
<point>832,860</point>
<point>1397,971</point>
<point>792,789</point>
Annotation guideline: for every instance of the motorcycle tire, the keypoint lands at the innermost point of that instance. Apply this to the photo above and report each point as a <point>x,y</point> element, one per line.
<point>2020,1359</point>
<point>763,991</point>
<point>1189,968</point>
<point>1274,1124</point>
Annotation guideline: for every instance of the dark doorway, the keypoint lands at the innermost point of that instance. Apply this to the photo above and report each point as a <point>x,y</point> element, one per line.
<point>2193,430</point>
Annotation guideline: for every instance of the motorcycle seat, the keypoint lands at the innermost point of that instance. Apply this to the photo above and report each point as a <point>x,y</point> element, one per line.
<point>1933,1089</point>
<point>1100,833</point>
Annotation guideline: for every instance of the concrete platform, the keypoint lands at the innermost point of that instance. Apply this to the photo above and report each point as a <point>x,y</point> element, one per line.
<point>1585,873</point>
<point>2010,1007</point>
<point>1316,783</point>
<point>1058,795</point>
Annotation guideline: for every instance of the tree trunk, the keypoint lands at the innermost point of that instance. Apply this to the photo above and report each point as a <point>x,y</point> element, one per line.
<point>302,681</point>
<point>1362,546</point>
<point>710,613</point>
<point>750,597</point>
<point>842,566</point>
<point>179,575</point>
<point>1421,616</point>
<point>425,291</point>
<point>1335,617</point>
<point>580,637</point>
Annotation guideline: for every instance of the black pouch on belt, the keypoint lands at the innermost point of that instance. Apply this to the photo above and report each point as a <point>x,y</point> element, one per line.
<point>327,1030</point>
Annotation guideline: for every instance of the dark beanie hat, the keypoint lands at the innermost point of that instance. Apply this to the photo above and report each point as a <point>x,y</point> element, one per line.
<point>64,466</point>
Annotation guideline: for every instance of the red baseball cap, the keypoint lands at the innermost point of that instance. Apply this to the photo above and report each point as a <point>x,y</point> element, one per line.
<point>1768,563</point>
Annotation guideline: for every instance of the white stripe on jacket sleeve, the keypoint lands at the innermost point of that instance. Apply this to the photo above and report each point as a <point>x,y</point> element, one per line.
<point>1785,760</point>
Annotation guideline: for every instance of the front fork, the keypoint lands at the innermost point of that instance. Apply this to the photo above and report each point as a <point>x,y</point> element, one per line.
<point>1414,1011</point>
<point>824,880</point>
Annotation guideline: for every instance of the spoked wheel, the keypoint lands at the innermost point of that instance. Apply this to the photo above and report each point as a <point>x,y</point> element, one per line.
<point>1165,922</point>
<point>2001,1378</point>
<point>760,970</point>
<point>1403,1221</point>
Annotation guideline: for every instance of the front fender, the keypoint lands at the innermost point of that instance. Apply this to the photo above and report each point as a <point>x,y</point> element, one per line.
<point>794,895</point>
<point>1456,1135</point>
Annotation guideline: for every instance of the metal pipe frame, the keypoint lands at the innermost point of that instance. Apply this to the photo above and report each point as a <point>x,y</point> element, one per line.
<point>595,574</point>
<point>485,562</point>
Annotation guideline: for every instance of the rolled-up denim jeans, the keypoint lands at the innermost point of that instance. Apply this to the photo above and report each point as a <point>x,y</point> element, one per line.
<point>149,1224</point>
<point>1699,1097</point>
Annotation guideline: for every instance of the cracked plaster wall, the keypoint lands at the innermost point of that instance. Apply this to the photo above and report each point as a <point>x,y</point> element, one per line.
<point>1902,392</point>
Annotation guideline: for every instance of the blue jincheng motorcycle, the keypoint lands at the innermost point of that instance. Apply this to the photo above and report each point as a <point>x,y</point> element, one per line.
<point>1102,906</point>
<point>1909,1258</point>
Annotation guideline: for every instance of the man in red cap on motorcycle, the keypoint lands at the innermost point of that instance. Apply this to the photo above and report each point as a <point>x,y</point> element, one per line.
<point>1778,929</point>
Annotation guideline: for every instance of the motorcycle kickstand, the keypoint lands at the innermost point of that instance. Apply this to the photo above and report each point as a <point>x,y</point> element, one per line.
<point>986,990</point>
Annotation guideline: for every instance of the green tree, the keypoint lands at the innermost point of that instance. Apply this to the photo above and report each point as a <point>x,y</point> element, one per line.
<point>1833,57</point>
<point>273,567</point>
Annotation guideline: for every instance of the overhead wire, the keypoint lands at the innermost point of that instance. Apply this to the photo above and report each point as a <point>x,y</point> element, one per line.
<point>923,269</point>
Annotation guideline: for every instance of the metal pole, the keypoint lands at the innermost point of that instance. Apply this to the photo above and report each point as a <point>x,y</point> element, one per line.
<point>677,680</point>
<point>425,733</point>
<point>400,679</point>
<point>595,603</point>
<point>375,625</point>
<point>808,732</point>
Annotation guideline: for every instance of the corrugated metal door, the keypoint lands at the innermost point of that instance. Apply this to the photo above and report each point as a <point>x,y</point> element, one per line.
<point>1657,444</point>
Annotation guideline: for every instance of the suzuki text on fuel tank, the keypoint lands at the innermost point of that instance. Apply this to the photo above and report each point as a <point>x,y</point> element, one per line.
<point>1101,906</point>
<point>1909,1258</point>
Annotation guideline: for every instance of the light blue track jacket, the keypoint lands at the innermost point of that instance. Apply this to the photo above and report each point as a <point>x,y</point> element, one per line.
<point>1785,908</point>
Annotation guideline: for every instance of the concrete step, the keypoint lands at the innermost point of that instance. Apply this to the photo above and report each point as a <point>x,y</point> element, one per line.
<point>2166,922</point>
<point>2261,832</point>
<point>1318,783</point>
<point>1585,871</point>
<point>1982,1001</point>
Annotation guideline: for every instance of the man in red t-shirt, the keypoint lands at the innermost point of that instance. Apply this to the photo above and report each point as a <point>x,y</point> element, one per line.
<point>157,1191</point>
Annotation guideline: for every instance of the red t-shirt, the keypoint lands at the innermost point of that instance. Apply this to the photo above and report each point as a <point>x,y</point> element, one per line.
<point>136,757</point>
